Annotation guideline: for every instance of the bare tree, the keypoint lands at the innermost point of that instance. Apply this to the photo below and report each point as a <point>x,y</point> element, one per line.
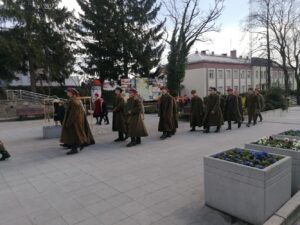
<point>190,24</point>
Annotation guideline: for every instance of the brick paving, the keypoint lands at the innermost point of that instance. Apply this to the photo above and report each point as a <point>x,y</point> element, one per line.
<point>158,182</point>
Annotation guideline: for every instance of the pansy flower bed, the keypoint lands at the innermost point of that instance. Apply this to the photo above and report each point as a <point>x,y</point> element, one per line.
<point>295,133</point>
<point>286,143</point>
<point>257,159</point>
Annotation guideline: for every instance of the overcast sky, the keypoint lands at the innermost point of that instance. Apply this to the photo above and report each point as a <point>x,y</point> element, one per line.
<point>231,35</point>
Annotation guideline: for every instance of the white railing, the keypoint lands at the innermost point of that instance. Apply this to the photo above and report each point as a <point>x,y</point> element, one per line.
<point>15,95</point>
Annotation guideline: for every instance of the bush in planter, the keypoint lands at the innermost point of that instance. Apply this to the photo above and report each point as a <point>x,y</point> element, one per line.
<point>275,99</point>
<point>277,143</point>
<point>295,133</point>
<point>250,158</point>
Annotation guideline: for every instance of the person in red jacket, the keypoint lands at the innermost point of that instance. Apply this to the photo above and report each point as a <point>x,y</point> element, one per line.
<point>97,108</point>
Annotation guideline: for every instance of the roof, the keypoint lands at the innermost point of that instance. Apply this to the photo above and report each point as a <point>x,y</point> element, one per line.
<point>198,57</point>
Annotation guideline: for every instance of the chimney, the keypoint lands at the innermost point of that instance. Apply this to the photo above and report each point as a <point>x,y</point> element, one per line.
<point>203,52</point>
<point>233,53</point>
<point>196,52</point>
<point>212,53</point>
<point>224,54</point>
<point>241,57</point>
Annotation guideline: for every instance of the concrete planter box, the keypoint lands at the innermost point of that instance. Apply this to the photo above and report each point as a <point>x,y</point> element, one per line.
<point>50,132</point>
<point>280,151</point>
<point>282,136</point>
<point>247,193</point>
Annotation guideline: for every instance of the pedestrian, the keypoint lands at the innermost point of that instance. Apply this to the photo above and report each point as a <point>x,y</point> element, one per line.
<point>97,108</point>
<point>74,130</point>
<point>103,112</point>
<point>231,111</point>
<point>197,111</point>
<point>252,105</point>
<point>261,104</point>
<point>213,113</point>
<point>166,114</point>
<point>135,124</point>
<point>3,152</point>
<point>119,121</point>
<point>59,112</point>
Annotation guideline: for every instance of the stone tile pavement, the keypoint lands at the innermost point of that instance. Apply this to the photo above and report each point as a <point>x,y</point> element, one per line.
<point>158,182</point>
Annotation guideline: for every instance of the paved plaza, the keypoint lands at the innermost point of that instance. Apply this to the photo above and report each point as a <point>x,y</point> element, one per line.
<point>158,182</point>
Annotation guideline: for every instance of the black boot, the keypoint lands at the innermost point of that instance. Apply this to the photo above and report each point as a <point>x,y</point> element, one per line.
<point>170,133</point>
<point>138,140</point>
<point>120,138</point>
<point>229,126</point>
<point>193,129</point>
<point>164,136</point>
<point>5,155</point>
<point>217,130</point>
<point>239,124</point>
<point>132,143</point>
<point>73,151</point>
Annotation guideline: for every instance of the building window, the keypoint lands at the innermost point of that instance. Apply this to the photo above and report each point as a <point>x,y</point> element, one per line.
<point>228,74</point>
<point>257,77</point>
<point>220,74</point>
<point>242,74</point>
<point>211,74</point>
<point>243,89</point>
<point>248,75</point>
<point>249,86</point>
<point>236,88</point>
<point>236,74</point>
<point>220,89</point>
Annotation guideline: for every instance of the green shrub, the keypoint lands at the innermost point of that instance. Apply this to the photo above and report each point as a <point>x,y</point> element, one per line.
<point>275,99</point>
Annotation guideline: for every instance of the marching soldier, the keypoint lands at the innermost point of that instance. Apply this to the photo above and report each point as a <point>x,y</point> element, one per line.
<point>175,116</point>
<point>135,124</point>
<point>232,112</point>
<point>240,104</point>
<point>213,114</point>
<point>4,154</point>
<point>119,122</point>
<point>75,130</point>
<point>252,104</point>
<point>166,114</point>
<point>222,102</point>
<point>197,111</point>
<point>261,104</point>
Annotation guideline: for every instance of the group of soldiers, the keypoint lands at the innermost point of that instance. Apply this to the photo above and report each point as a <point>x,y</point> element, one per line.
<point>215,109</point>
<point>128,116</point>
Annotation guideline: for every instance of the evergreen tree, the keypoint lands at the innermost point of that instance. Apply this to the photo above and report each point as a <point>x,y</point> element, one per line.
<point>39,36</point>
<point>120,37</point>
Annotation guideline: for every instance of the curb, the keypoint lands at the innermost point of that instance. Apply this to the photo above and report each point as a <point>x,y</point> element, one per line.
<point>288,214</point>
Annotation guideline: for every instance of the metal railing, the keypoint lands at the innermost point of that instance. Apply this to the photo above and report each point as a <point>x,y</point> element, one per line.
<point>15,95</point>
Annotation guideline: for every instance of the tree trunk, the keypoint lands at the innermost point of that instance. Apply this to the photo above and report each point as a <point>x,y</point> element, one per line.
<point>298,93</point>
<point>32,78</point>
<point>286,81</point>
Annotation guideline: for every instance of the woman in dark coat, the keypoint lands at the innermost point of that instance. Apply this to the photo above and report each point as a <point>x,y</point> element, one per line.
<point>213,114</point>
<point>231,112</point>
<point>119,121</point>
<point>59,111</point>
<point>135,124</point>
<point>197,111</point>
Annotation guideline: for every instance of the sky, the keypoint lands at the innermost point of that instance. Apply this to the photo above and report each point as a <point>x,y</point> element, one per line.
<point>231,35</point>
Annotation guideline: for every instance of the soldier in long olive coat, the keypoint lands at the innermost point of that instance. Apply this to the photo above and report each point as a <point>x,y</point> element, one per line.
<point>4,154</point>
<point>261,103</point>
<point>213,114</point>
<point>197,111</point>
<point>175,117</point>
<point>166,114</point>
<point>135,124</point>
<point>240,105</point>
<point>252,104</point>
<point>74,130</point>
<point>231,111</point>
<point>119,121</point>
